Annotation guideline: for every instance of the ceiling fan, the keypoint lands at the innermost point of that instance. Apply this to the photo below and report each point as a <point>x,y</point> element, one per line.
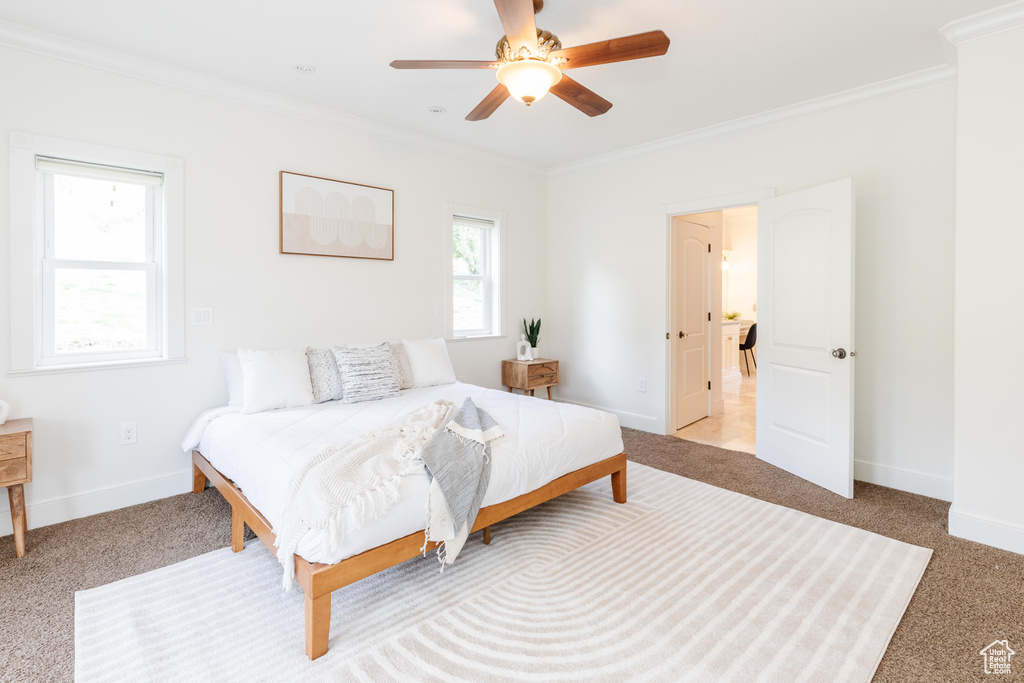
<point>531,61</point>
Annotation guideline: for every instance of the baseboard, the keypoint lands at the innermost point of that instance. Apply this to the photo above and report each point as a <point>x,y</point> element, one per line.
<point>644,423</point>
<point>904,480</point>
<point>988,531</point>
<point>55,510</point>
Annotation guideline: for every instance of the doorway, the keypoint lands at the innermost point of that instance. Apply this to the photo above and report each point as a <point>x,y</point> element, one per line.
<point>730,414</point>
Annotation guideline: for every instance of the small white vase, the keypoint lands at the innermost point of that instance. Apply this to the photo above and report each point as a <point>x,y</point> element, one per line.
<point>5,410</point>
<point>534,353</point>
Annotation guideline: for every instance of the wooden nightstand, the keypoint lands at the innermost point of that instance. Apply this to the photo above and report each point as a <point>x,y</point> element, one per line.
<point>15,472</point>
<point>530,375</point>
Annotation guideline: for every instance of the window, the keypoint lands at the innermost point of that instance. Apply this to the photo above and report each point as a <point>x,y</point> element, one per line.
<point>474,305</point>
<point>101,263</point>
<point>102,242</point>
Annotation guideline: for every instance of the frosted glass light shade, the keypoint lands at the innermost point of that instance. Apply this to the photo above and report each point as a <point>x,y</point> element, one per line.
<point>528,79</point>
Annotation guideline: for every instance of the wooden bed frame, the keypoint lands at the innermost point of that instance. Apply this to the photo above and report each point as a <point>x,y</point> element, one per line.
<point>318,580</point>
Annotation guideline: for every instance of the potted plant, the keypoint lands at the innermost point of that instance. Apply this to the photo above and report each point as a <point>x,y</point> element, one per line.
<point>532,335</point>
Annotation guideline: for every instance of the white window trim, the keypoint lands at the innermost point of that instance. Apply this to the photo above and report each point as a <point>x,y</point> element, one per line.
<point>27,249</point>
<point>497,268</point>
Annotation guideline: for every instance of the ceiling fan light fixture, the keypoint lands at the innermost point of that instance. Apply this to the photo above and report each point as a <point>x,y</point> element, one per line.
<point>528,80</point>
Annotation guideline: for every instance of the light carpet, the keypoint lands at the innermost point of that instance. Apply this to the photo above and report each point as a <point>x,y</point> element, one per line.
<point>686,582</point>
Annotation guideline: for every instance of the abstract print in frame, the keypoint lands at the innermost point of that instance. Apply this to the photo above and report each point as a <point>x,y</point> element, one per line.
<point>324,217</point>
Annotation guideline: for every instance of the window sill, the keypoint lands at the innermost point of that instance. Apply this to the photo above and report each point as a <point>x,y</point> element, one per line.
<point>477,338</point>
<point>88,367</point>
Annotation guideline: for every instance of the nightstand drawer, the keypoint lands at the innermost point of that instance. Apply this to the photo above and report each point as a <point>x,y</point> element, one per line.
<point>12,446</point>
<point>13,470</point>
<point>542,375</point>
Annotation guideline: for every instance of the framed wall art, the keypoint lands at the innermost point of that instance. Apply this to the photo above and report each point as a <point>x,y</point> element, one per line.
<point>325,217</point>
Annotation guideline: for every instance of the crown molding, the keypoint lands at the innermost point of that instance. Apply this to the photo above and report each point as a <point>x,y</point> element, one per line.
<point>87,54</point>
<point>981,25</point>
<point>919,80</point>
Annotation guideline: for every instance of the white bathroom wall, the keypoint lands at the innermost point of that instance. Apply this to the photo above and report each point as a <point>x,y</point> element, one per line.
<point>232,155</point>
<point>607,265</point>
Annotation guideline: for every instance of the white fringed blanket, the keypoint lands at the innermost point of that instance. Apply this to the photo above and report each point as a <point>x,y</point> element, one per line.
<point>363,473</point>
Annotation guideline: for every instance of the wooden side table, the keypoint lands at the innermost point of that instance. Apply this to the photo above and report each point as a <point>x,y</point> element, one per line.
<point>15,472</point>
<point>530,375</point>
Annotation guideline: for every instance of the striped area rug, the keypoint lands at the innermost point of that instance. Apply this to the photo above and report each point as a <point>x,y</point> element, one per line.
<point>686,582</point>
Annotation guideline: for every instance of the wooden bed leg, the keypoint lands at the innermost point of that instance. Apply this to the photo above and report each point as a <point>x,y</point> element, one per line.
<point>198,479</point>
<point>318,625</point>
<point>619,485</point>
<point>237,531</point>
<point>487,535</point>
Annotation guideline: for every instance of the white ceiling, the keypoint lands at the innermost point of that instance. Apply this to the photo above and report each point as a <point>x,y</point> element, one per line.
<point>728,59</point>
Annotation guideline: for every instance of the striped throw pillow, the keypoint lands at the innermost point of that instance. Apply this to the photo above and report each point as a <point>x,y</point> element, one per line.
<point>366,374</point>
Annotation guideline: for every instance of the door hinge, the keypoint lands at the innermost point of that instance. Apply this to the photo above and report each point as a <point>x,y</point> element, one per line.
<point>668,335</point>
<point>709,385</point>
<point>709,316</point>
<point>709,248</point>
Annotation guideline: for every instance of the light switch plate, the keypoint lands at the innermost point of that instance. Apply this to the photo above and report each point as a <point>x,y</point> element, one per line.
<point>202,316</point>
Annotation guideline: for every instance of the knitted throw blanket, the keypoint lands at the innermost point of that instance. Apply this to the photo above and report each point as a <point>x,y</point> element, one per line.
<point>458,459</point>
<point>361,476</point>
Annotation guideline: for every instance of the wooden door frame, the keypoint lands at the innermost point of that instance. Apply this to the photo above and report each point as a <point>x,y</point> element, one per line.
<point>678,210</point>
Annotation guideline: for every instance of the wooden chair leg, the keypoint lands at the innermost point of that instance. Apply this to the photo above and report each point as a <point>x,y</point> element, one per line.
<point>318,625</point>
<point>16,497</point>
<point>487,535</point>
<point>619,486</point>
<point>198,479</point>
<point>237,531</point>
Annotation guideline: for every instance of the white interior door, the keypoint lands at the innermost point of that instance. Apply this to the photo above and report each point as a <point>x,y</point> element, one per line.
<point>691,318</point>
<point>805,334</point>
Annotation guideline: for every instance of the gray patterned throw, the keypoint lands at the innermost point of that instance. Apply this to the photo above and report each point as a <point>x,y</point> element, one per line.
<point>458,460</point>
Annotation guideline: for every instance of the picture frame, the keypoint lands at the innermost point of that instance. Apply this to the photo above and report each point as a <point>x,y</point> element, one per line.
<point>325,217</point>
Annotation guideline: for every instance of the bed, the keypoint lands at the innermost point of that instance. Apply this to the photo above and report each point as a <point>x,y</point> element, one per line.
<point>549,449</point>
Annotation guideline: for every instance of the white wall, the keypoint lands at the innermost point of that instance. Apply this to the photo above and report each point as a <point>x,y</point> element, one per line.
<point>262,299</point>
<point>988,503</point>
<point>607,273</point>
<point>739,234</point>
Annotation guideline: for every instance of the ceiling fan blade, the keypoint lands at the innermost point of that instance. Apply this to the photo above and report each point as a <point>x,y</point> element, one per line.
<point>442,64</point>
<point>489,104</point>
<point>519,24</point>
<point>650,44</point>
<point>581,97</point>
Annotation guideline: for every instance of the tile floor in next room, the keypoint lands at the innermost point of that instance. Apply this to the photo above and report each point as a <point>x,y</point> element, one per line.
<point>734,428</point>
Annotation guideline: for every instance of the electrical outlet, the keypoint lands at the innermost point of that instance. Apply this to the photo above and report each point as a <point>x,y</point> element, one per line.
<point>641,384</point>
<point>438,311</point>
<point>129,433</point>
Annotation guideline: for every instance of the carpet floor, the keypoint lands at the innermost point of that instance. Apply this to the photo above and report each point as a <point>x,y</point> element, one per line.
<point>969,596</point>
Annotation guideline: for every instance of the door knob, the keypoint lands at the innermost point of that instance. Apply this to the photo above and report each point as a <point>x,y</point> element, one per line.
<point>681,335</point>
<point>839,353</point>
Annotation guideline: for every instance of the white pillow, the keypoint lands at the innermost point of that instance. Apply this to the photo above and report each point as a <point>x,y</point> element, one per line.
<point>274,379</point>
<point>232,377</point>
<point>429,361</point>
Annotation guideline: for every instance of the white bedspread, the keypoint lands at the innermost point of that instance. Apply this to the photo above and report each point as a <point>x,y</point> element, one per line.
<point>260,452</point>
